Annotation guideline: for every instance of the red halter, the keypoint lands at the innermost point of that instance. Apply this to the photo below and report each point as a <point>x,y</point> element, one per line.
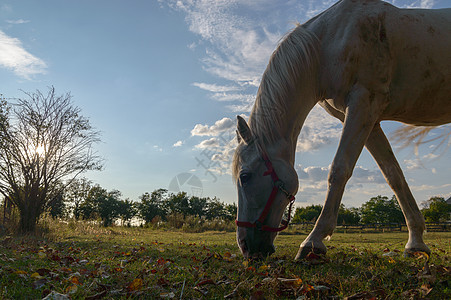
<point>278,185</point>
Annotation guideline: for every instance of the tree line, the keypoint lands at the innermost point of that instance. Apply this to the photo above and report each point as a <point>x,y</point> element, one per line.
<point>84,200</point>
<point>378,210</point>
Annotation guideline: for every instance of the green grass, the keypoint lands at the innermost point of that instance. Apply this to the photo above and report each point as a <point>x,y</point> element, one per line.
<point>121,263</point>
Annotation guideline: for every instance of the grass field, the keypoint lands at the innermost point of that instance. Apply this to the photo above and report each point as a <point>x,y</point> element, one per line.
<point>87,262</point>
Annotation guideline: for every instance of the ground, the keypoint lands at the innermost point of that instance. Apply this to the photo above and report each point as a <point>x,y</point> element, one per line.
<point>84,261</point>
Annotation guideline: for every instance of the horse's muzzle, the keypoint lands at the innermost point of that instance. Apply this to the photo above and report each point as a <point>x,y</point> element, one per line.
<point>256,244</point>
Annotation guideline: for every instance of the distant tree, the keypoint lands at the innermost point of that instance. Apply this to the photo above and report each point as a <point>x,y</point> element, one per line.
<point>87,210</point>
<point>44,141</point>
<point>152,205</point>
<point>215,209</point>
<point>159,203</point>
<point>101,204</point>
<point>380,209</point>
<point>178,204</point>
<point>197,206</point>
<point>348,216</point>
<point>56,207</point>
<point>109,207</point>
<point>307,214</point>
<point>126,211</point>
<point>75,193</point>
<point>436,210</point>
<point>230,210</point>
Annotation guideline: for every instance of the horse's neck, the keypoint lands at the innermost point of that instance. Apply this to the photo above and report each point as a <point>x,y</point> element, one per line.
<point>287,92</point>
<point>286,124</point>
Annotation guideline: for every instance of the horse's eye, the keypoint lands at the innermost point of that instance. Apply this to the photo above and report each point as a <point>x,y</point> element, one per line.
<point>245,177</point>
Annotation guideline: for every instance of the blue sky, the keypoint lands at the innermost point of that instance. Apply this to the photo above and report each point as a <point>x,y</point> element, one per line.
<point>163,81</point>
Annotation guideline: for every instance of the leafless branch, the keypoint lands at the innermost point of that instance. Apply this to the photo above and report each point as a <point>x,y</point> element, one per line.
<point>45,141</point>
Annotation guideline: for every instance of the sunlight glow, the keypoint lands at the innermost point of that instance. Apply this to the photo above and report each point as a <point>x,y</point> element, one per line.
<point>40,150</point>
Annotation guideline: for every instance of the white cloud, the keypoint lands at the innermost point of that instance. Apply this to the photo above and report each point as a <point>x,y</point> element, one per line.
<point>313,181</point>
<point>157,148</point>
<point>210,143</point>
<point>218,149</point>
<point>219,152</point>
<point>216,88</point>
<point>320,129</point>
<point>239,108</point>
<point>420,162</point>
<point>315,7</point>
<point>312,173</point>
<point>428,187</point>
<point>430,156</point>
<point>359,175</point>
<point>362,176</point>
<point>417,4</point>
<point>412,164</point>
<point>237,41</point>
<point>228,97</point>
<point>200,130</point>
<point>16,22</point>
<point>14,57</point>
<point>178,144</point>
<point>220,126</point>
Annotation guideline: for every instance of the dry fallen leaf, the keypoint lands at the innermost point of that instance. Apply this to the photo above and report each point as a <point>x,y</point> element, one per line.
<point>205,282</point>
<point>291,282</point>
<point>35,275</point>
<point>135,285</point>
<point>169,295</point>
<point>368,295</point>
<point>263,268</point>
<point>71,289</point>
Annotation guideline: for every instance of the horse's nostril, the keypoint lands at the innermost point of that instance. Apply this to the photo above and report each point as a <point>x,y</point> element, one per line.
<point>243,247</point>
<point>272,249</point>
<point>244,244</point>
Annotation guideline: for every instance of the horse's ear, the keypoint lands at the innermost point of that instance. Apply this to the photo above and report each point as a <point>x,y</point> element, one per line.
<point>243,132</point>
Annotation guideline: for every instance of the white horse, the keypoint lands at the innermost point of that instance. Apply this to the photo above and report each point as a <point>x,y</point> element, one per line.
<point>363,61</point>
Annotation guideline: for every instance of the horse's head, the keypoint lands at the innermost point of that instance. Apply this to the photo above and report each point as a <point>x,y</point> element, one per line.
<point>266,182</point>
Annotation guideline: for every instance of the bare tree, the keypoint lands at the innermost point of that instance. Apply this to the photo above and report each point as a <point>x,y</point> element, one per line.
<point>45,143</point>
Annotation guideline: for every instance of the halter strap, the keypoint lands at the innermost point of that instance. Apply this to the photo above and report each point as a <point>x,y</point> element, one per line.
<point>278,185</point>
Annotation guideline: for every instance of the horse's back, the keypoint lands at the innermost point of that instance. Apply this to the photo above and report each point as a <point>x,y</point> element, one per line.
<point>403,53</point>
<point>421,72</point>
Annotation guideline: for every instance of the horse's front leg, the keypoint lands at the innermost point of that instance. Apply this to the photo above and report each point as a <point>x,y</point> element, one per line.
<point>362,112</point>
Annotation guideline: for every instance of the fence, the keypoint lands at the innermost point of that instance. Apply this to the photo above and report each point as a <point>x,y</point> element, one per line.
<point>440,226</point>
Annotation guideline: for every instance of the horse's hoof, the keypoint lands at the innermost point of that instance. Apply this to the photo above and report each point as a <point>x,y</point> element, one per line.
<point>414,252</point>
<point>306,250</point>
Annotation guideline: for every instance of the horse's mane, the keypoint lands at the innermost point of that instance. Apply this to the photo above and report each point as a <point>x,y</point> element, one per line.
<point>292,67</point>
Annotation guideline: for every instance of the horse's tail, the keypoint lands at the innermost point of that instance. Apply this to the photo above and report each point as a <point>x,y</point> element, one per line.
<point>406,136</point>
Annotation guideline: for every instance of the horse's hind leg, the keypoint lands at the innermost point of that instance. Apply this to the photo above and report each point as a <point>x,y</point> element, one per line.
<point>380,149</point>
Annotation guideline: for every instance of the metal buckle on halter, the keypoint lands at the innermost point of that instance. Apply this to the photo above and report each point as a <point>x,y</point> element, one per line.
<point>279,184</point>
